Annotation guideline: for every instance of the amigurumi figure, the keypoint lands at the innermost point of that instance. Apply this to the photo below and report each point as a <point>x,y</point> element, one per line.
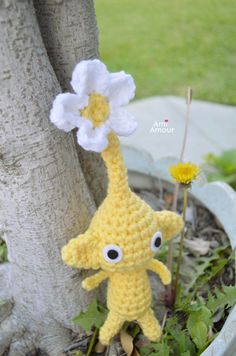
<point>125,233</point>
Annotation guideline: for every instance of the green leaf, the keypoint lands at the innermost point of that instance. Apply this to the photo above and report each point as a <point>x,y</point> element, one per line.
<point>202,314</point>
<point>197,324</point>
<point>182,341</point>
<point>207,268</point>
<point>178,340</point>
<point>224,167</point>
<point>198,332</point>
<point>144,351</point>
<point>94,316</point>
<point>221,299</point>
<point>211,272</point>
<point>226,162</point>
<point>186,353</point>
<point>159,348</point>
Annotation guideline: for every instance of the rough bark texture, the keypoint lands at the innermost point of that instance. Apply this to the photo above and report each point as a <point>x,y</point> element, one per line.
<point>69,32</point>
<point>44,198</point>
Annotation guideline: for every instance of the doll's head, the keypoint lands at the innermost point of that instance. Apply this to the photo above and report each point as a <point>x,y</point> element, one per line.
<point>127,237</point>
<point>125,233</point>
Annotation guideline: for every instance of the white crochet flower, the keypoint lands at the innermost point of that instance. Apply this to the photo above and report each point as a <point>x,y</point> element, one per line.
<point>96,106</point>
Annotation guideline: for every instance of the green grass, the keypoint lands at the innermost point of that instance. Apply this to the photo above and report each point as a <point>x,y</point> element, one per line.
<point>168,45</point>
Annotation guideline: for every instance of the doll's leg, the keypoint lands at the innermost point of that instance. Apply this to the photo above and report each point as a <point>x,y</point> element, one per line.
<point>110,328</point>
<point>150,326</point>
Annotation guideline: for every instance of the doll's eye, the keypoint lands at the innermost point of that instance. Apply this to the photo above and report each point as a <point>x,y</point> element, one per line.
<point>156,241</point>
<point>112,253</point>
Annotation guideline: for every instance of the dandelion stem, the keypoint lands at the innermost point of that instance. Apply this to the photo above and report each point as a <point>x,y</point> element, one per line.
<point>170,243</point>
<point>176,189</point>
<point>188,102</point>
<point>181,243</point>
<point>92,342</point>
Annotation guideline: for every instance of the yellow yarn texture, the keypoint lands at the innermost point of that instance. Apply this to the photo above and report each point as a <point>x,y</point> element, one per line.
<point>121,242</point>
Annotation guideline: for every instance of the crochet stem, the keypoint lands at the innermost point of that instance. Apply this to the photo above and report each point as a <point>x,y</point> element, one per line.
<point>117,172</point>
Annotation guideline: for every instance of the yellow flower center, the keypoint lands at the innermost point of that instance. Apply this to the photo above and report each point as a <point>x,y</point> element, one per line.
<point>184,173</point>
<point>97,110</point>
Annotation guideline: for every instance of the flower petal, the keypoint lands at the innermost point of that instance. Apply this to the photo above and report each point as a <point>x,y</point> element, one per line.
<point>65,112</point>
<point>122,122</point>
<point>121,88</point>
<point>93,139</point>
<point>90,76</point>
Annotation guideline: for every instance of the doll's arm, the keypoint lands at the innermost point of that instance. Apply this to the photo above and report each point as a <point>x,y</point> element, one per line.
<point>94,281</point>
<point>160,269</point>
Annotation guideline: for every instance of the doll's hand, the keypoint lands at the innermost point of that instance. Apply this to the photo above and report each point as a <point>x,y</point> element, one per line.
<point>94,281</point>
<point>160,269</point>
<point>88,284</point>
<point>166,277</point>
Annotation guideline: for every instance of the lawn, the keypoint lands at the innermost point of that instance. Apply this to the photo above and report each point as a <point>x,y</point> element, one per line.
<point>168,45</point>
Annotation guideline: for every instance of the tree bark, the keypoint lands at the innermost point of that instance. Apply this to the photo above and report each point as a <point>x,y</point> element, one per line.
<point>44,198</point>
<point>70,34</point>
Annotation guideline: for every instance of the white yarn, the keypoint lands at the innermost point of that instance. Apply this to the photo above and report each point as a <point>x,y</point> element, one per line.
<point>90,77</point>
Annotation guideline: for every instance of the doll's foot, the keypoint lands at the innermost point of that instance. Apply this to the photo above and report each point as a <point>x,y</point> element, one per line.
<point>150,326</point>
<point>110,328</point>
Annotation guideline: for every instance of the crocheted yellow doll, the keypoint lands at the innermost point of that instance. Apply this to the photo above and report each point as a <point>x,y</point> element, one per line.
<point>125,233</point>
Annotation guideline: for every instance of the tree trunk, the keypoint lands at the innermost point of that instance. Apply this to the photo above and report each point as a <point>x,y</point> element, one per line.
<point>69,32</point>
<point>44,197</point>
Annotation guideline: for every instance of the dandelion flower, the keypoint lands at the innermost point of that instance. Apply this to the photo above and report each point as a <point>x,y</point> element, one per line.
<point>96,108</point>
<point>184,173</point>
